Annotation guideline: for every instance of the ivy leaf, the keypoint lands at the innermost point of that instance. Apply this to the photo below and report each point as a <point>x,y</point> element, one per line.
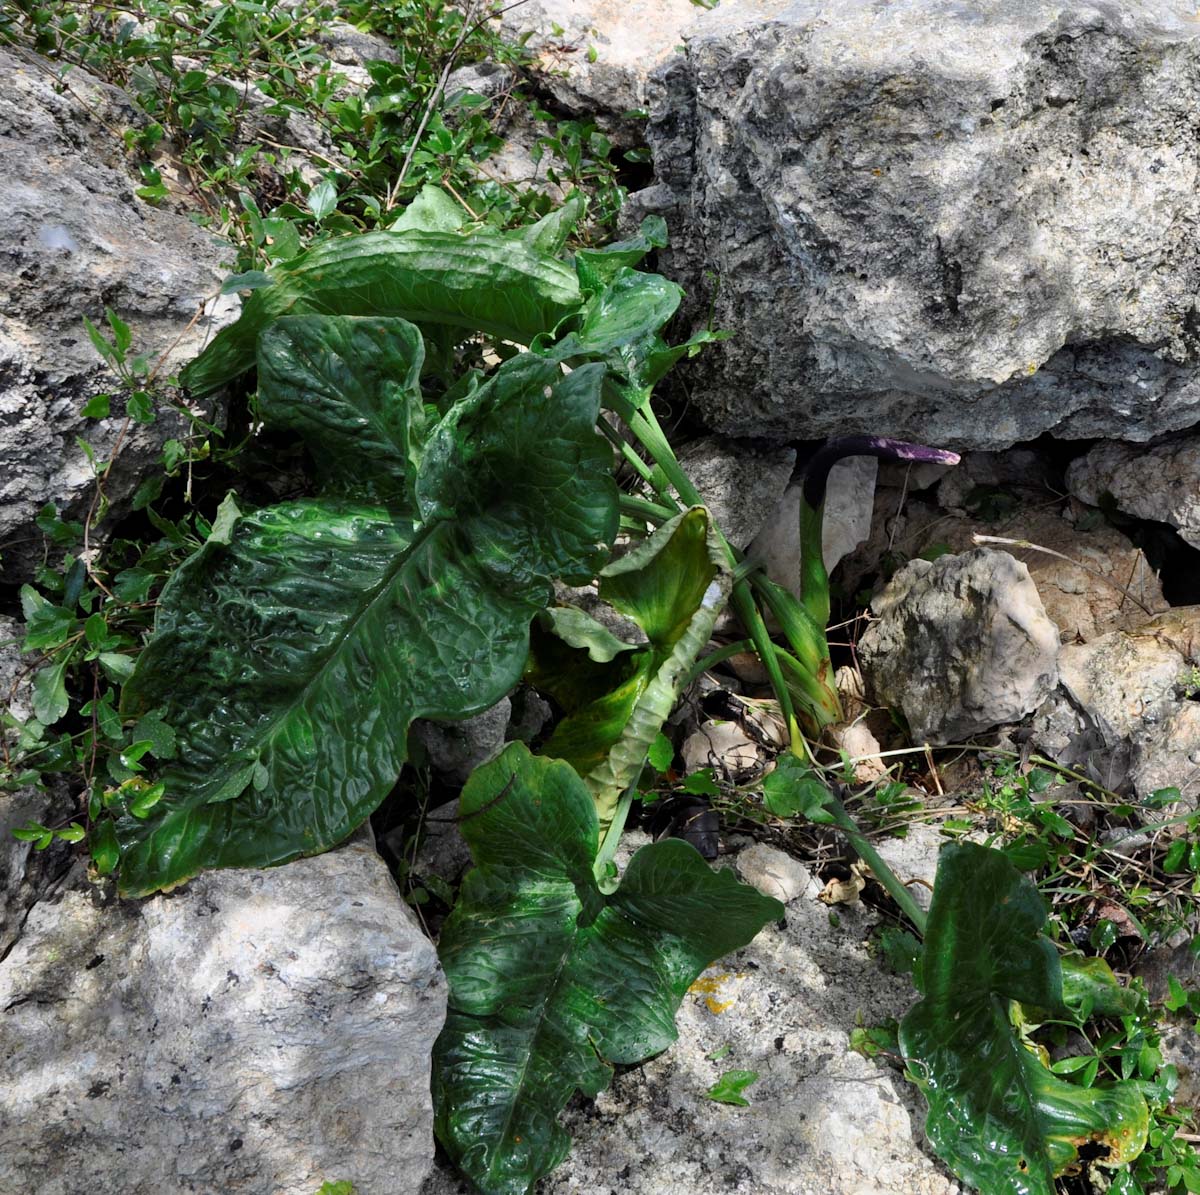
<point>50,701</point>
<point>551,981</point>
<point>1010,1126</point>
<point>432,210</point>
<point>291,659</point>
<point>792,789</point>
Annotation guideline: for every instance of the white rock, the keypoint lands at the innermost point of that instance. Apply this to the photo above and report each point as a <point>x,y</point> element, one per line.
<point>257,1031</point>
<point>725,747</point>
<point>849,501</point>
<point>1160,483</point>
<point>961,644</point>
<point>595,55</point>
<point>775,873</point>
<point>914,858</point>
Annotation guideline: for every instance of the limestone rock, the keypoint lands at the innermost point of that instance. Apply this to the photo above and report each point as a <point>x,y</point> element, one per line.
<point>26,875</point>
<point>1107,583</point>
<point>594,56</point>
<point>15,672</point>
<point>821,1119</point>
<point>1161,482</point>
<point>74,240</point>
<point>914,858</point>
<point>1084,597</point>
<point>726,748</point>
<point>456,749</point>
<point>775,873</point>
<point>964,224</point>
<point>258,1031</point>
<point>849,500</point>
<point>961,644</point>
<point>740,482</point>
<point>1125,708</point>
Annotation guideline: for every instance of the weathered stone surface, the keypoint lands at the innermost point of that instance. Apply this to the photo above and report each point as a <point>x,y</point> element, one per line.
<point>1107,583</point>
<point>849,500</point>
<point>914,858</point>
<point>1124,708</point>
<point>456,749</point>
<point>74,240</point>
<point>964,224</point>
<point>726,748</point>
<point>821,1121</point>
<point>1161,482</point>
<point>25,874</point>
<point>257,1031</point>
<point>1084,596</point>
<point>961,644</point>
<point>775,873</point>
<point>740,482</point>
<point>594,56</point>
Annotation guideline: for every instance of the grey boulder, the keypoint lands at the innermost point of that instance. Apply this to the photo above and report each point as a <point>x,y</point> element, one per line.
<point>74,240</point>
<point>1161,482</point>
<point>1125,709</point>
<point>961,644</point>
<point>961,223</point>
<point>256,1031</point>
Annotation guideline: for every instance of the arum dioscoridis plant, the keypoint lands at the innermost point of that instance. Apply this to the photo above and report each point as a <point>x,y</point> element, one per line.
<point>292,651</point>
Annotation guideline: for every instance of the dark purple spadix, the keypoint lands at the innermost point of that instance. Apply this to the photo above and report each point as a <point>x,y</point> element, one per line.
<point>816,476</point>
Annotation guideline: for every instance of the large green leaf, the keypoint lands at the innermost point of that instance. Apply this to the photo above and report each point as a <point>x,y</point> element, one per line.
<point>483,281</point>
<point>673,586</point>
<point>551,981</point>
<point>292,652</point>
<point>351,386</point>
<point>997,1116</point>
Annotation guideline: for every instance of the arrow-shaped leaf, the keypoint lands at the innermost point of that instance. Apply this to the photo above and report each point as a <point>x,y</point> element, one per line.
<point>551,981</point>
<point>997,1116</point>
<point>672,586</point>
<point>292,653</point>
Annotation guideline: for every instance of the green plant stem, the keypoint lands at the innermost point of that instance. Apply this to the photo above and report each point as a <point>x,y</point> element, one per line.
<point>814,580</point>
<point>652,512</point>
<point>612,837</point>
<point>715,658</point>
<point>646,428</point>
<point>882,872</point>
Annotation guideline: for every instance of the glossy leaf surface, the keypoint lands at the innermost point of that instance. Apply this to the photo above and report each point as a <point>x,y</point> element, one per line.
<point>551,981</point>
<point>673,586</point>
<point>351,387</point>
<point>997,1116</point>
<point>478,282</point>
<point>293,650</point>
